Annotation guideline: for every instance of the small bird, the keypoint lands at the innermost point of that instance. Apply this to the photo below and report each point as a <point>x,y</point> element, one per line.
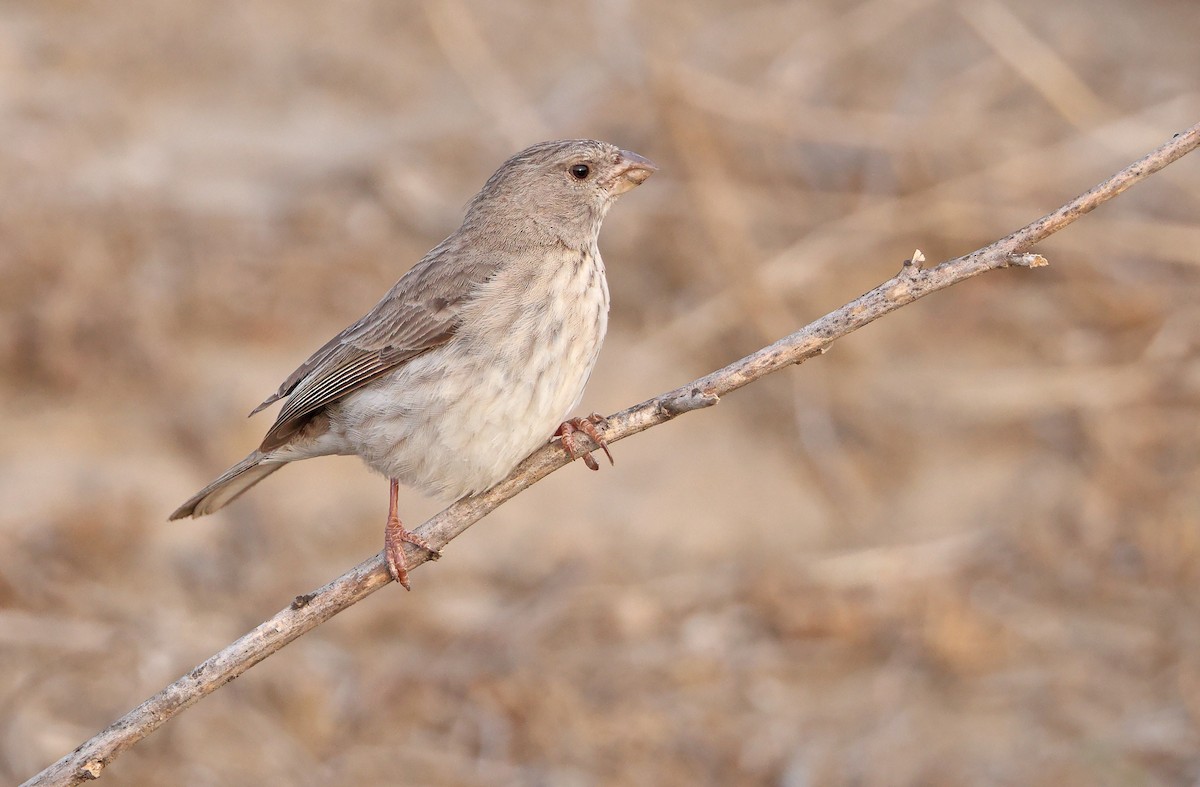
<point>470,361</point>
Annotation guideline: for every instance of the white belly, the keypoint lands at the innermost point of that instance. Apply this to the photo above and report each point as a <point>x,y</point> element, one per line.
<point>457,419</point>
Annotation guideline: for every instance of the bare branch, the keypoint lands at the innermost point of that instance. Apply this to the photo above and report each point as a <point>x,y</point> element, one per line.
<point>311,609</point>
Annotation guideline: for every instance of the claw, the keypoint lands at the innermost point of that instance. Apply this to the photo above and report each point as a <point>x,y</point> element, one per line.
<point>566,433</point>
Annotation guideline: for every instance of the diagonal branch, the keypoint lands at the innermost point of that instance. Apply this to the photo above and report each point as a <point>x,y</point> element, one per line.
<point>311,609</point>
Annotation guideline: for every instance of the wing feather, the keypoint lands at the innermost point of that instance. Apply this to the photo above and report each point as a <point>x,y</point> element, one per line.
<point>419,313</point>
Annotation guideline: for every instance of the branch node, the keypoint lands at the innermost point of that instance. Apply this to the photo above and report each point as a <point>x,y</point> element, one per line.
<point>693,399</point>
<point>813,353</point>
<point>1026,260</point>
<point>301,601</point>
<point>912,266</point>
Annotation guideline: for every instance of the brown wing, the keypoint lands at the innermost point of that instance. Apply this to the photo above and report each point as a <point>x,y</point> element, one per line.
<point>419,313</point>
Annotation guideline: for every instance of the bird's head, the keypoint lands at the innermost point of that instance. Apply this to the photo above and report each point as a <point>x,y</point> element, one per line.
<point>564,188</point>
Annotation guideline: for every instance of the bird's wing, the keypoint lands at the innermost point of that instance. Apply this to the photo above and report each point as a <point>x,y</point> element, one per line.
<point>421,312</point>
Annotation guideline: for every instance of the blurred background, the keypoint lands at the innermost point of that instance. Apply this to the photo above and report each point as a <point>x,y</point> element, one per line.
<point>962,548</point>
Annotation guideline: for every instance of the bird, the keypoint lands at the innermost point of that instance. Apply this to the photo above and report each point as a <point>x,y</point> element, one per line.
<point>474,356</point>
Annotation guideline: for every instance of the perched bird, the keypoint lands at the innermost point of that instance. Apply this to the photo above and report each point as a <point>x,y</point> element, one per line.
<point>475,356</point>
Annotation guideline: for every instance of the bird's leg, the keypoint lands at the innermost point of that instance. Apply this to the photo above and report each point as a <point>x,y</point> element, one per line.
<point>394,536</point>
<point>566,433</point>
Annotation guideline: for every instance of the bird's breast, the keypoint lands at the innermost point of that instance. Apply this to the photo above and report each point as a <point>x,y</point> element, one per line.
<point>538,336</point>
<point>458,418</point>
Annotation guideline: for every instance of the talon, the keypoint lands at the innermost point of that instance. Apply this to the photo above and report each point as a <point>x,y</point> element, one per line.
<point>397,566</point>
<point>588,427</point>
<point>566,434</point>
<point>395,535</point>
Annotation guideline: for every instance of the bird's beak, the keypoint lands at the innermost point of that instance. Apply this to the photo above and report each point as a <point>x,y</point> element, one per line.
<point>632,170</point>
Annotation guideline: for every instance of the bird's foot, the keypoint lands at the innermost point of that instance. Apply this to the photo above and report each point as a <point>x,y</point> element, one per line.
<point>394,537</point>
<point>566,433</point>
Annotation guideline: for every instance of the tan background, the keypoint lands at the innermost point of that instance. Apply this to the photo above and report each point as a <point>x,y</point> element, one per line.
<point>964,547</point>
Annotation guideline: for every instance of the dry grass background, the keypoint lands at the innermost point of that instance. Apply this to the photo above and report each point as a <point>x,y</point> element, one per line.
<point>964,547</point>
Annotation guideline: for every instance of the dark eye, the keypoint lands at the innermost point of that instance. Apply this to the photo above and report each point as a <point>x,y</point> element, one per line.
<point>580,171</point>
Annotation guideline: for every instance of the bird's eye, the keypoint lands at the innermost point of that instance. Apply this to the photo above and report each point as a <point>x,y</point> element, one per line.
<point>580,171</point>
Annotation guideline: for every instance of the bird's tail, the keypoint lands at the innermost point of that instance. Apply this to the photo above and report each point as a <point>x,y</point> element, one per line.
<point>232,483</point>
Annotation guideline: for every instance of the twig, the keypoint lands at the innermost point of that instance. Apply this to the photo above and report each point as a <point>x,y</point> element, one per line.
<point>311,609</point>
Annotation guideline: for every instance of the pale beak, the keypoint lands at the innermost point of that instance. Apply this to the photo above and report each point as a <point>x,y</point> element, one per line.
<point>632,170</point>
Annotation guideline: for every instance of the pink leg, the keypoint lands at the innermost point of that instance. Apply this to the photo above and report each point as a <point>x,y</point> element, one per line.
<point>394,536</point>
